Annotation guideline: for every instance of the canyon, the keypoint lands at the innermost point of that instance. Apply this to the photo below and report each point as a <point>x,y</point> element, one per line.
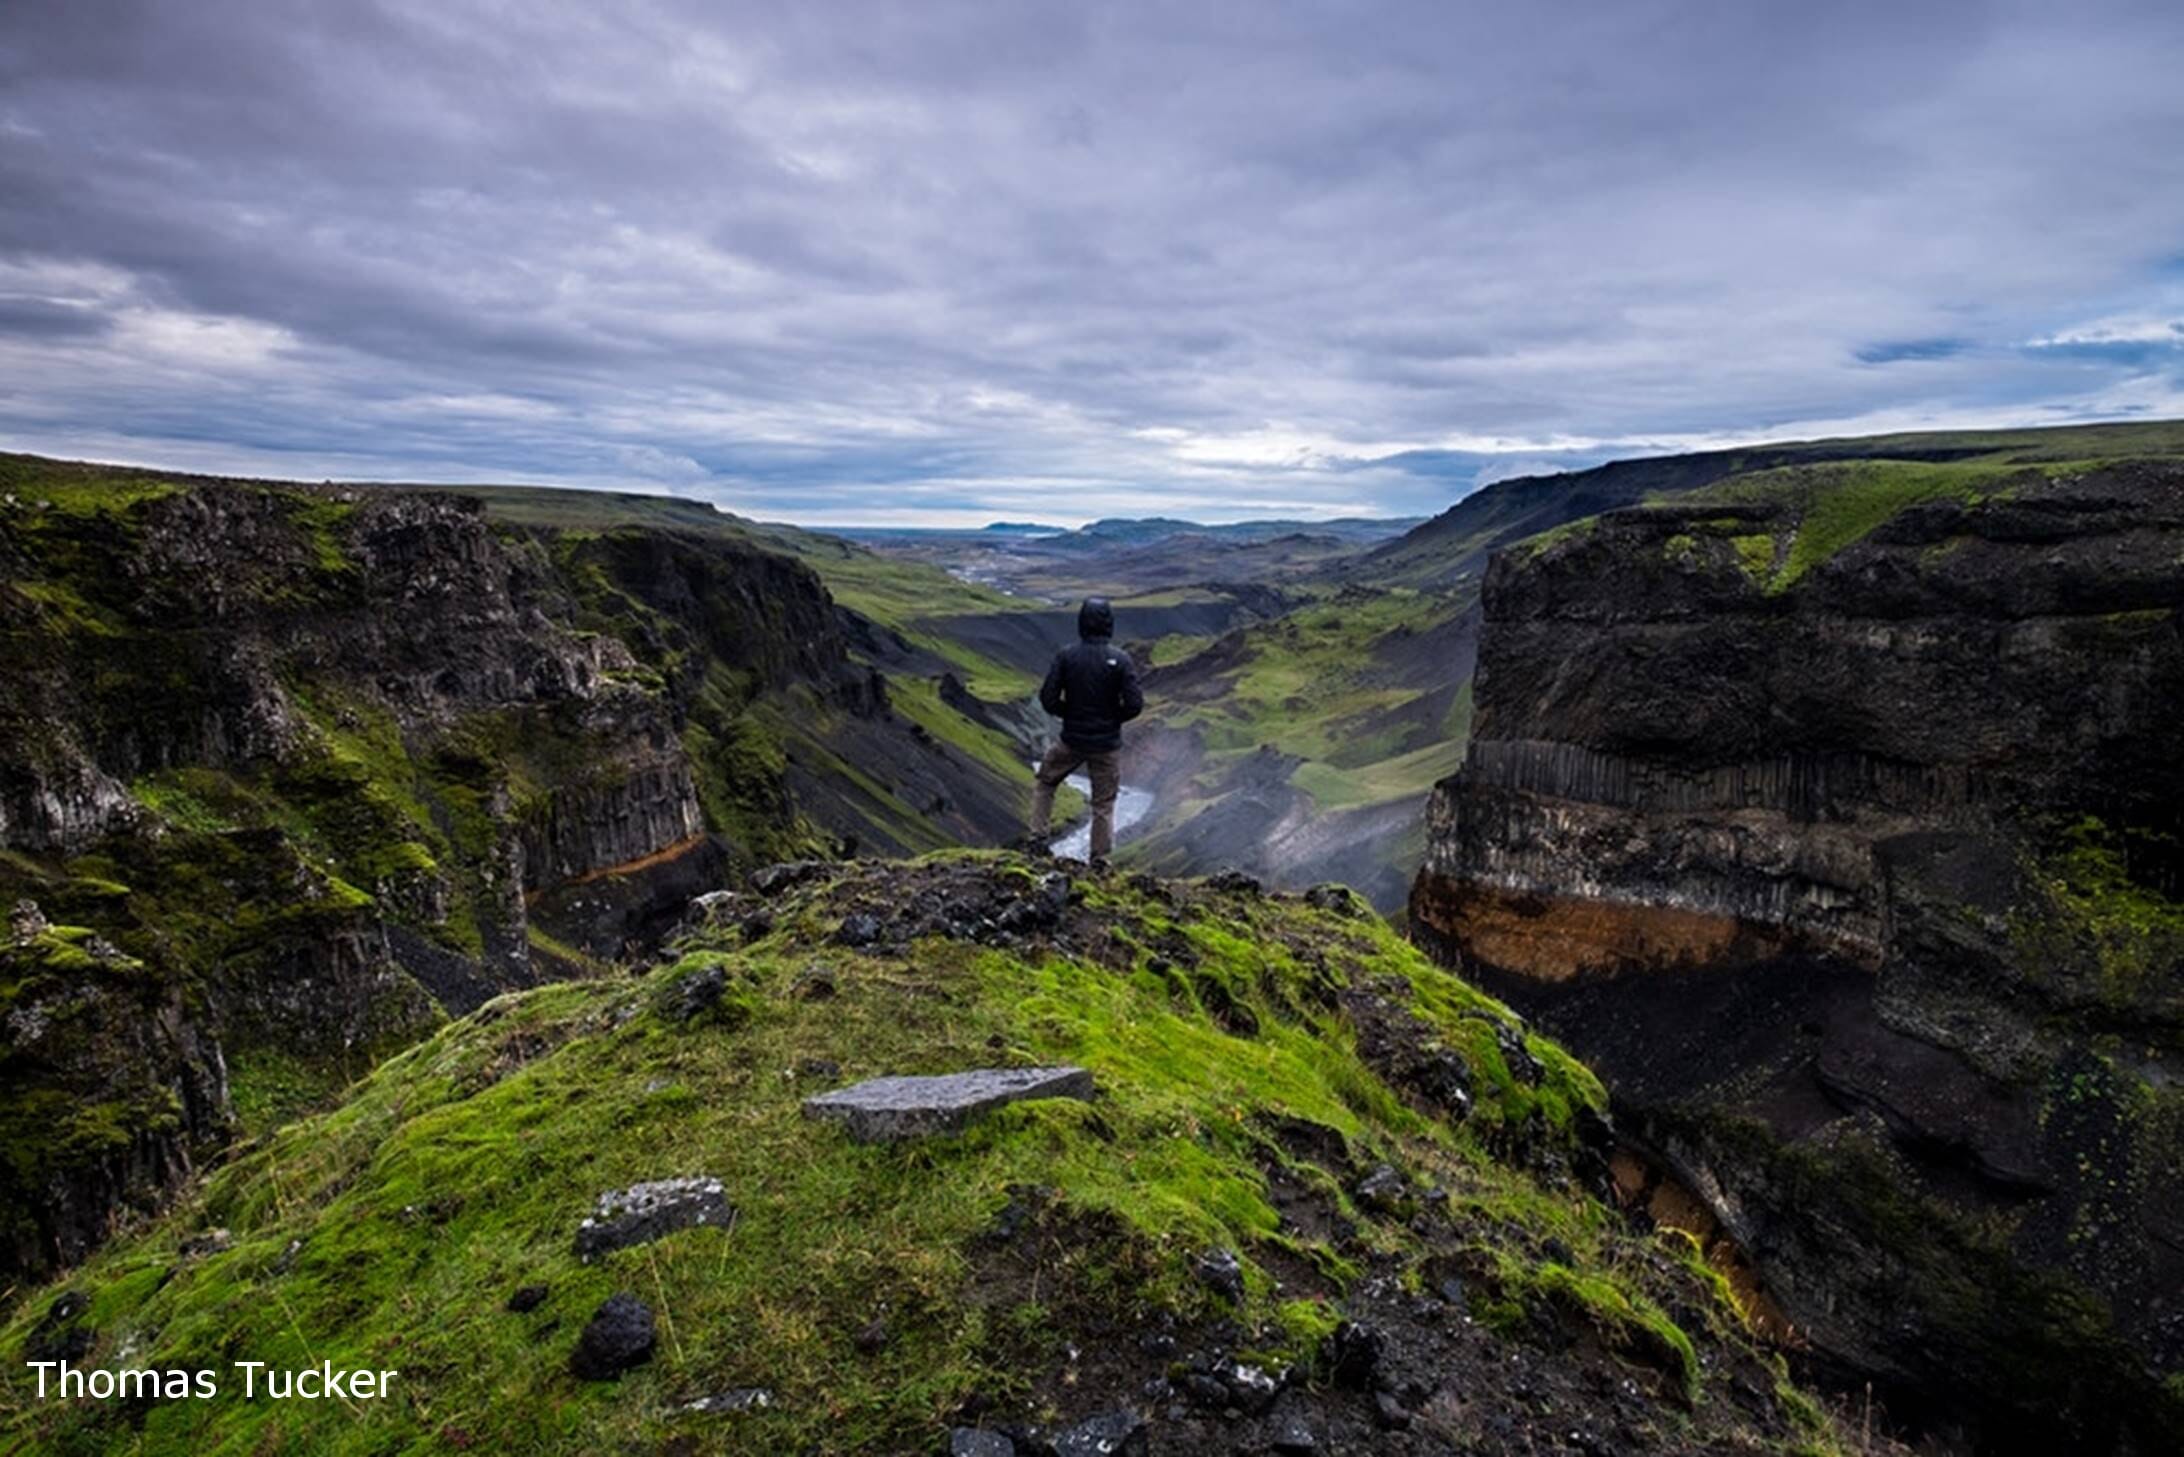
<point>463,852</point>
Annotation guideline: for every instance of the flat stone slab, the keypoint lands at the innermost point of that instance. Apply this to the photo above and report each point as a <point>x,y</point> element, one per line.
<point>643,1212</point>
<point>887,1110</point>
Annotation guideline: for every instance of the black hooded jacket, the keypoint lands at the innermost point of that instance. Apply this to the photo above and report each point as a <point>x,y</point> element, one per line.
<point>1092,687</point>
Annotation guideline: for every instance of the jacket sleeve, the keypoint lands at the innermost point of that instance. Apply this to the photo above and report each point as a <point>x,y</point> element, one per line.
<point>1129,697</point>
<point>1050,692</point>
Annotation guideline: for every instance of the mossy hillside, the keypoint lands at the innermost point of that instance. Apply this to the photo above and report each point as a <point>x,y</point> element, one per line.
<point>899,594</point>
<point>1303,680</point>
<point>1342,685</point>
<point>391,1231</point>
<point>893,593</point>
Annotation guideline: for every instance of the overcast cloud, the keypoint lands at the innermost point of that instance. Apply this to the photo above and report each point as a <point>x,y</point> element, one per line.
<point>949,262</point>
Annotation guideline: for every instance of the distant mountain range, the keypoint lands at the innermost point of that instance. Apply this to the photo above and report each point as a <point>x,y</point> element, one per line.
<point>1125,531</point>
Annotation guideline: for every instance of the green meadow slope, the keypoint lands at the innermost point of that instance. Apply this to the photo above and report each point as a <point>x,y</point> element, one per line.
<point>1406,1177</point>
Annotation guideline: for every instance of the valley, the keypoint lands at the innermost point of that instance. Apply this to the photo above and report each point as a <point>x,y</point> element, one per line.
<point>1760,862</point>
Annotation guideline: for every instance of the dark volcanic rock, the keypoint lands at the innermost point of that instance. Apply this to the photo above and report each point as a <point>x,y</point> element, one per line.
<point>1382,1190</point>
<point>773,880</point>
<point>1353,1354</point>
<point>620,1335</point>
<point>1221,1272</point>
<point>526,1298</point>
<point>1111,1434</point>
<point>694,995</point>
<point>60,1334</point>
<point>972,1442</point>
<point>1826,872</point>
<point>644,1212</point>
<point>1291,1435</point>
<point>860,930</point>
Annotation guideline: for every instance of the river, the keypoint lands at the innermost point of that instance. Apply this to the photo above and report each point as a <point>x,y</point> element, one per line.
<point>1131,805</point>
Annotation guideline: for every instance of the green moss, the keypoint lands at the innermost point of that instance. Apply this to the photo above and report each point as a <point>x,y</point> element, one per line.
<point>2133,932</point>
<point>1627,1318</point>
<point>390,1231</point>
<point>1577,530</point>
<point>1836,505</point>
<point>321,518</point>
<point>1755,555</point>
<point>271,1086</point>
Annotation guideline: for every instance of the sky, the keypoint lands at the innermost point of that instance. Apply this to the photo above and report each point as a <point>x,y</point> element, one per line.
<point>943,263</point>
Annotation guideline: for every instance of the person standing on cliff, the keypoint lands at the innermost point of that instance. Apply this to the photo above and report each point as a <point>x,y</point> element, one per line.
<point>1092,688</point>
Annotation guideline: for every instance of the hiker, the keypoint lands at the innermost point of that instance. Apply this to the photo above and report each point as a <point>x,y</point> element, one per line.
<point>1093,689</point>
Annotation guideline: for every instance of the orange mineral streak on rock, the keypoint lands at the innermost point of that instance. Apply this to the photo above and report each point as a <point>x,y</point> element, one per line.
<point>1553,938</point>
<point>663,856</point>
<point>1645,1187</point>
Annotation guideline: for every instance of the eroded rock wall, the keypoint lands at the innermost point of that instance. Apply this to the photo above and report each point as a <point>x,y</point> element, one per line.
<point>1853,866</point>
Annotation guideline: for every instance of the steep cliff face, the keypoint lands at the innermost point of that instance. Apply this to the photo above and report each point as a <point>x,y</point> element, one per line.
<point>1835,812</point>
<point>319,766</point>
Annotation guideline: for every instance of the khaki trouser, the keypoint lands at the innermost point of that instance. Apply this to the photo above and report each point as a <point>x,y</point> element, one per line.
<point>1106,770</point>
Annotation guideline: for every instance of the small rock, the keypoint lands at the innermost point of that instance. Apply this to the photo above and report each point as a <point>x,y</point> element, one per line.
<point>27,921</point>
<point>1354,1353</point>
<point>859,930</point>
<point>1029,1441</point>
<point>1390,1412</point>
<point>59,1334</point>
<point>526,1299</point>
<point>886,1110</point>
<point>873,1337</point>
<point>713,905</point>
<point>1222,1273</point>
<point>1205,1390</point>
<point>1251,1389</point>
<point>1291,1435</point>
<point>644,1212</point>
<point>742,1398</point>
<point>774,879</point>
<point>1452,1293</point>
<point>1110,1434</point>
<point>818,1067</point>
<point>1524,1067</point>
<point>619,1335</point>
<point>973,1442</point>
<point>1235,882</point>
<point>1042,909</point>
<point>1381,1190</point>
<point>693,995</point>
<point>210,1242</point>
<point>1444,1079</point>
<point>814,984</point>
<point>1338,899</point>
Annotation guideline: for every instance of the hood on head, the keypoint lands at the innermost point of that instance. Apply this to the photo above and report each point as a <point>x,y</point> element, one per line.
<point>1096,618</point>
